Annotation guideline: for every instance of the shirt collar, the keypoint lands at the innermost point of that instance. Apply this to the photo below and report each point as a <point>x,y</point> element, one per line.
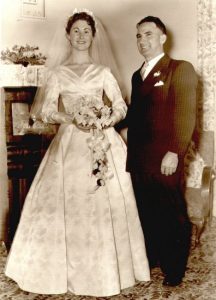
<point>153,61</point>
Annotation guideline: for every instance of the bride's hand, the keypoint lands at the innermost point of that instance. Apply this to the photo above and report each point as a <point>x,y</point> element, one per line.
<point>69,118</point>
<point>85,128</point>
<point>109,123</point>
<point>113,119</point>
<point>61,117</point>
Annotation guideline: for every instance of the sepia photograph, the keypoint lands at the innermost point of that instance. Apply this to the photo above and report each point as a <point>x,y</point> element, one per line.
<point>107,150</point>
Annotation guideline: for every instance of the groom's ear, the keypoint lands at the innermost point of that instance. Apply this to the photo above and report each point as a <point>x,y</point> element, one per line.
<point>163,38</point>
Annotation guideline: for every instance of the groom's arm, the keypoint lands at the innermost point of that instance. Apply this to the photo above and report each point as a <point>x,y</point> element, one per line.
<point>183,97</point>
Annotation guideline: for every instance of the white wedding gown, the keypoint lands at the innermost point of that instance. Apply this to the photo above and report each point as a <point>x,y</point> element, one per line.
<point>68,238</point>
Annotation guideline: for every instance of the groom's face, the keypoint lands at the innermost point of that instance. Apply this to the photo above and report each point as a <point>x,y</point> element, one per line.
<point>150,40</point>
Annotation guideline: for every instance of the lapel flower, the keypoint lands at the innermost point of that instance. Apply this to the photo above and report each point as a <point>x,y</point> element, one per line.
<point>156,74</point>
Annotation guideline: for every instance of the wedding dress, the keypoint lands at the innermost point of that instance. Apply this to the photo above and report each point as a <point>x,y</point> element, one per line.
<point>70,236</point>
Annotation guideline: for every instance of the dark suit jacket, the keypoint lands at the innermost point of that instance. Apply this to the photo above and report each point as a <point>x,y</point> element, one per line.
<point>162,114</point>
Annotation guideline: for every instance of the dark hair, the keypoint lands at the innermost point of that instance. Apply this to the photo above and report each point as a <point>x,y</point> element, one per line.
<point>81,16</point>
<point>155,20</point>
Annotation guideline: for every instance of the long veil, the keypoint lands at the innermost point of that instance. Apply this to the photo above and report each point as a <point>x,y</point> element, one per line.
<point>60,50</point>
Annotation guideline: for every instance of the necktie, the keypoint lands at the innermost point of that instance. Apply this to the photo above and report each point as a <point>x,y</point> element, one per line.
<point>143,71</point>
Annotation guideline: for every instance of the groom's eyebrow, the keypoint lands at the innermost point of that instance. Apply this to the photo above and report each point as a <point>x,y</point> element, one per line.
<point>144,33</point>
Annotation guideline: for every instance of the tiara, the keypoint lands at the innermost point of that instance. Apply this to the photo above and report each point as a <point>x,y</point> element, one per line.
<point>85,10</point>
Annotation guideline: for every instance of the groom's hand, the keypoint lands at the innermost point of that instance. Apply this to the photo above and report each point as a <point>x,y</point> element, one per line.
<point>169,163</point>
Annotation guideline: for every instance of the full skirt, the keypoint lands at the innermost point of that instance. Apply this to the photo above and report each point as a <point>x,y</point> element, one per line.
<point>72,238</point>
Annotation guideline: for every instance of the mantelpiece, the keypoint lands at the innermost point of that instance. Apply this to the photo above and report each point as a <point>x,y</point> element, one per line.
<point>17,75</point>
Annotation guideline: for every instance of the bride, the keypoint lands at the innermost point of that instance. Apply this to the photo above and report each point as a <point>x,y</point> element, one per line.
<point>79,230</point>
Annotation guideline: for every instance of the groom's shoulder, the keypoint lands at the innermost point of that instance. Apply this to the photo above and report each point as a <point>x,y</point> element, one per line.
<point>180,63</point>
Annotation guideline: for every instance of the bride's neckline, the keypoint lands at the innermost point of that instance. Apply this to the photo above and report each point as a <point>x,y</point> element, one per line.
<point>79,72</point>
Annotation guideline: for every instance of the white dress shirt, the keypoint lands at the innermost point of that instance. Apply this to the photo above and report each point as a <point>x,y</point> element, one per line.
<point>148,66</point>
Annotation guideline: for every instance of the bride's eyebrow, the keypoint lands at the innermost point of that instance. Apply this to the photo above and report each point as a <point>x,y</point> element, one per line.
<point>84,28</point>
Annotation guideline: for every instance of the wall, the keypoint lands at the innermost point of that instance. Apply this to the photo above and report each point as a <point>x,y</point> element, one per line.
<point>119,17</point>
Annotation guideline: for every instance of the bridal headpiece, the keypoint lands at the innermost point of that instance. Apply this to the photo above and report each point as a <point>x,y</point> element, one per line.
<point>85,10</point>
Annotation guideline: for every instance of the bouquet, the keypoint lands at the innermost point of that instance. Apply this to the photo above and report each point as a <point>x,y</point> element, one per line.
<point>94,113</point>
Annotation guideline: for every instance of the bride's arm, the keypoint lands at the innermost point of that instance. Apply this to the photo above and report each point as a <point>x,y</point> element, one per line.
<point>112,90</point>
<point>49,110</point>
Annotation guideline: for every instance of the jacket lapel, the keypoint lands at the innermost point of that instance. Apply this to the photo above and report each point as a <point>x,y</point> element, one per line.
<point>157,75</point>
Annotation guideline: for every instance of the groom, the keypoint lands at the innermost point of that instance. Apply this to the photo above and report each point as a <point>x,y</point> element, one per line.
<point>161,120</point>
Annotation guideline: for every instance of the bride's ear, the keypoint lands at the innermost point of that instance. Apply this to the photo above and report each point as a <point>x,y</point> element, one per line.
<point>68,37</point>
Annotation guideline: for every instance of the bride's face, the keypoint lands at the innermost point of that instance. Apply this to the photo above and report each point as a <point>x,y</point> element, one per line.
<point>81,35</point>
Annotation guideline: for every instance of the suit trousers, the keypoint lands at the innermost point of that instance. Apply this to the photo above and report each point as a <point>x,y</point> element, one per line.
<point>163,215</point>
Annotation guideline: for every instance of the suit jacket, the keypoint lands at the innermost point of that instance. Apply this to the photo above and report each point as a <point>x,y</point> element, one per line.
<point>162,114</point>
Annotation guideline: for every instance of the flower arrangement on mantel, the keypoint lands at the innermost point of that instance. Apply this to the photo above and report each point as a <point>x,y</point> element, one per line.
<point>24,55</point>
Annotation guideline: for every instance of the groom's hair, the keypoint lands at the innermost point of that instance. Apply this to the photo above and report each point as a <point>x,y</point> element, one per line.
<point>155,20</point>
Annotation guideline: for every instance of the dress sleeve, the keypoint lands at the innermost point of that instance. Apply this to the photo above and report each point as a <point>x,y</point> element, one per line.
<point>50,108</point>
<point>113,92</point>
<point>50,98</point>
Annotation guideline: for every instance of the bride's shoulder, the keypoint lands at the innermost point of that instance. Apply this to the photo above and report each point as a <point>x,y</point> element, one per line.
<point>50,74</point>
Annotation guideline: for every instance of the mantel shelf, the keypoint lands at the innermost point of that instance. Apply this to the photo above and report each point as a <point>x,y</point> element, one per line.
<point>17,75</point>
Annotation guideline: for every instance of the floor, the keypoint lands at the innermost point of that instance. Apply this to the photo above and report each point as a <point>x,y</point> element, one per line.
<point>199,282</point>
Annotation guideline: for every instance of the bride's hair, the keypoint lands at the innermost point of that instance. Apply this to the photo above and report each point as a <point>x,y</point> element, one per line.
<point>81,16</point>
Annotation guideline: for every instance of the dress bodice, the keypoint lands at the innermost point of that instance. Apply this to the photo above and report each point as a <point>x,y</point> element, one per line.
<point>63,83</point>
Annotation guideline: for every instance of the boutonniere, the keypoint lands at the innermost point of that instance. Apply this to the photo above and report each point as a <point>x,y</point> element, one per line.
<point>159,83</point>
<point>156,74</point>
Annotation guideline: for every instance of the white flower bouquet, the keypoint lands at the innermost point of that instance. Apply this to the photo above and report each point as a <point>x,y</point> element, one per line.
<point>93,113</point>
